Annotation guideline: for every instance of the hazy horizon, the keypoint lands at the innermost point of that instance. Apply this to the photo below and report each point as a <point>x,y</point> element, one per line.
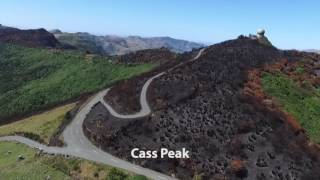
<point>100,34</point>
<point>289,25</point>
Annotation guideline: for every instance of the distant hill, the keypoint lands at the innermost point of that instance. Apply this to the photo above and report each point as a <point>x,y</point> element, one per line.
<point>30,38</point>
<point>103,45</point>
<point>313,50</point>
<point>116,45</point>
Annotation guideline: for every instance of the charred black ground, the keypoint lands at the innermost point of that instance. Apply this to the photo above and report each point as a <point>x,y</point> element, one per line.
<point>201,106</point>
<point>30,38</point>
<point>161,56</point>
<point>124,96</point>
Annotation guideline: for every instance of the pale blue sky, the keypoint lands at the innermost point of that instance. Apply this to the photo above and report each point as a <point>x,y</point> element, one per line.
<point>289,24</point>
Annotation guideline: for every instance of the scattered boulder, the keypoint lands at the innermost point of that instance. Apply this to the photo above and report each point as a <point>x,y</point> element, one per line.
<point>21,157</point>
<point>48,177</point>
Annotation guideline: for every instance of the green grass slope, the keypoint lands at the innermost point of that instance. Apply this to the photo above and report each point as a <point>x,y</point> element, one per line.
<point>39,166</point>
<point>31,78</point>
<point>302,103</point>
<point>43,125</point>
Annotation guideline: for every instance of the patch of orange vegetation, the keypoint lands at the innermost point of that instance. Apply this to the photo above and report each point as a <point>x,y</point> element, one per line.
<point>237,165</point>
<point>253,89</point>
<point>253,85</point>
<point>289,68</point>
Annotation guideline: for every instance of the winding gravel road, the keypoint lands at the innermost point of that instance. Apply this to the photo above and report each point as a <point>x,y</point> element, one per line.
<point>145,108</point>
<point>78,145</point>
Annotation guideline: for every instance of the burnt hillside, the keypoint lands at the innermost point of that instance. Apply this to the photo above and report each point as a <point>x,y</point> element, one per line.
<point>161,55</point>
<point>30,38</point>
<point>202,106</point>
<point>124,96</point>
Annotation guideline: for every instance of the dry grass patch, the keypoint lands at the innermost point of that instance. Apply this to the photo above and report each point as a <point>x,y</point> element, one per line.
<point>44,124</point>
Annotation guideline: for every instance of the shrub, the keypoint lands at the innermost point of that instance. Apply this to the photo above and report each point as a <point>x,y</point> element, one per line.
<point>299,70</point>
<point>116,174</point>
<point>138,177</point>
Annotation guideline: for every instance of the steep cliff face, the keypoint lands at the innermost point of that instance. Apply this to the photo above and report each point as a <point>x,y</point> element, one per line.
<point>204,106</point>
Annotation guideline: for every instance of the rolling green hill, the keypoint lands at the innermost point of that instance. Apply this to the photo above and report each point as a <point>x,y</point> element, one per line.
<point>32,78</point>
<point>302,103</point>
